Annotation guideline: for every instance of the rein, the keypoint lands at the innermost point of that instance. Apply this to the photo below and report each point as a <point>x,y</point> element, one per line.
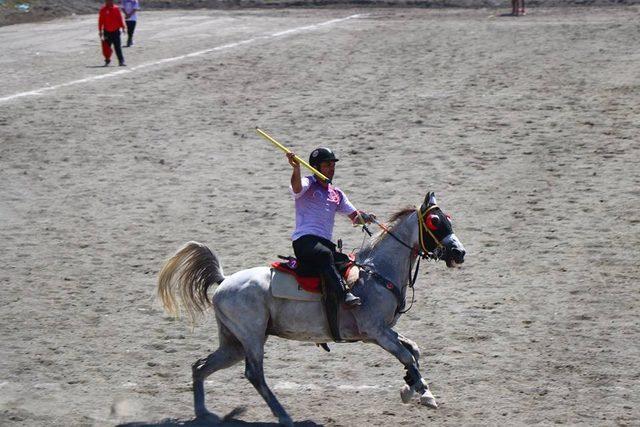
<point>421,253</point>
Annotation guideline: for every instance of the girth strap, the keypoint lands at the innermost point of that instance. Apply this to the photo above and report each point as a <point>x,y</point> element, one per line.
<point>388,285</point>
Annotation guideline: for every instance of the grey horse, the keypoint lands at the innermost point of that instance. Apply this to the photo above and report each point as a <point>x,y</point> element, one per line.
<point>247,312</point>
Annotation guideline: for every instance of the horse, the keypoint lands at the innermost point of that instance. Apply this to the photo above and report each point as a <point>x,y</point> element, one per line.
<point>247,313</point>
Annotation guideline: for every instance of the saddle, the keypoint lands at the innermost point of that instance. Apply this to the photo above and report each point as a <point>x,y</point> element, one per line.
<point>290,280</point>
<point>312,283</point>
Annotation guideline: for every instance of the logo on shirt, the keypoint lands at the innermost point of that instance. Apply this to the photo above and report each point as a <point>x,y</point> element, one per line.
<point>334,196</point>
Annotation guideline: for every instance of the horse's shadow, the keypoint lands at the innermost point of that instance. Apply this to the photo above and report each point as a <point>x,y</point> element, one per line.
<point>211,420</point>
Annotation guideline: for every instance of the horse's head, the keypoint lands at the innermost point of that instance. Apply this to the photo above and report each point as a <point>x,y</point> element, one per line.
<point>436,233</point>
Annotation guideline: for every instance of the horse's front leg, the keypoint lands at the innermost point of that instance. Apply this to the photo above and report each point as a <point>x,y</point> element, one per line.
<point>412,347</point>
<point>407,353</point>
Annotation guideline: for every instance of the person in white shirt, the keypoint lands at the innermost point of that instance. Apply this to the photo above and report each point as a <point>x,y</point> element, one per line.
<point>130,9</point>
<point>317,203</point>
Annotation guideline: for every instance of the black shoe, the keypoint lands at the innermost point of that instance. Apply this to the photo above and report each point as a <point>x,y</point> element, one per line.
<point>122,64</point>
<point>351,300</point>
<point>107,62</point>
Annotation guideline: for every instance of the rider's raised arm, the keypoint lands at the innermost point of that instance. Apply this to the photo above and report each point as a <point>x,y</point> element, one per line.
<point>296,183</point>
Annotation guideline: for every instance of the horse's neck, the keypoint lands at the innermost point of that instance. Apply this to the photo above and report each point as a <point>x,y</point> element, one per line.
<point>391,258</point>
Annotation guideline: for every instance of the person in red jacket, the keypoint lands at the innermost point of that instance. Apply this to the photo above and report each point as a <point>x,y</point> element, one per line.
<point>110,21</point>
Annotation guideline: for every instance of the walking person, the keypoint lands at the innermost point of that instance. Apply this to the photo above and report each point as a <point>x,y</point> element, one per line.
<point>130,9</point>
<point>110,21</point>
<point>517,8</point>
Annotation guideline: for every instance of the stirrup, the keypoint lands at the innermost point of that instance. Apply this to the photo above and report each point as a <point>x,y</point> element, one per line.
<point>351,300</point>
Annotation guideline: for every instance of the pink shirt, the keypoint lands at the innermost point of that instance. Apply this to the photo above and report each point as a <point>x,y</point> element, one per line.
<point>316,208</point>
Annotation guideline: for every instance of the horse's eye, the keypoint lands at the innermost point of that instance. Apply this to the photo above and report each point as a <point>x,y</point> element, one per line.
<point>433,221</point>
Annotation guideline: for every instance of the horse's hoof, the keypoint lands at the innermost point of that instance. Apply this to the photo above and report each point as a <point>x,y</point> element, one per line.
<point>427,399</point>
<point>285,420</point>
<point>406,393</point>
<point>203,414</point>
<point>206,415</point>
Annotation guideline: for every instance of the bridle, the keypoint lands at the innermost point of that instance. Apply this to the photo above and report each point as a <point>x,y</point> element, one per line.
<point>423,231</point>
<point>421,252</point>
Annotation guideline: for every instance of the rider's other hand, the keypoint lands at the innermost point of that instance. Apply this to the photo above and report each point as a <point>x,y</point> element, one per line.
<point>361,218</point>
<point>367,217</point>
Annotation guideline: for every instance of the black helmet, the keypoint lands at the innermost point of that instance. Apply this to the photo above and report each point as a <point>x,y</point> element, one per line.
<point>320,155</point>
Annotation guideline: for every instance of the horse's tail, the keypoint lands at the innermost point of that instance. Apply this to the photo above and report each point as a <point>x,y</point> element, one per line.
<point>188,275</point>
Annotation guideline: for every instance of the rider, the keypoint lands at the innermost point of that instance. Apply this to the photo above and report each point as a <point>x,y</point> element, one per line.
<point>316,205</point>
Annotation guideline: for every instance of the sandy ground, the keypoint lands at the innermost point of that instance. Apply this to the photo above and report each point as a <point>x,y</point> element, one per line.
<point>526,128</point>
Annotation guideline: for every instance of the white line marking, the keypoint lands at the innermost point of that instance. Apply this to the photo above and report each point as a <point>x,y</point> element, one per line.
<point>285,33</point>
<point>290,385</point>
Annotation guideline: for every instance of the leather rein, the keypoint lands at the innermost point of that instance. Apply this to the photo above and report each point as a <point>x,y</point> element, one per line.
<point>421,253</point>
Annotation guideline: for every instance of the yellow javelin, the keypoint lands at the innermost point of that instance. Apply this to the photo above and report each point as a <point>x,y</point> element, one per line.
<point>315,171</point>
<point>311,168</point>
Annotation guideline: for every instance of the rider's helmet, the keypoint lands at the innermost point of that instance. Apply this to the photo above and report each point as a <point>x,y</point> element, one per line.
<point>320,155</point>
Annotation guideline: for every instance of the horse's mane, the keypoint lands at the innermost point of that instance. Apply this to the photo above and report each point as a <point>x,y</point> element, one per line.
<point>393,221</point>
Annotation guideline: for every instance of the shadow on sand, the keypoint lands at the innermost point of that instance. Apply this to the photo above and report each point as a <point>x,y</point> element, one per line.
<point>211,420</point>
<point>511,15</point>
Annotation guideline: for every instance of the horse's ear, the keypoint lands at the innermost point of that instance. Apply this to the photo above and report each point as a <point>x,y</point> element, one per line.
<point>430,199</point>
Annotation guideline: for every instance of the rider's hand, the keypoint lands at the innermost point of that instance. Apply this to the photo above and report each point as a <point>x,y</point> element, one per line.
<point>293,161</point>
<point>363,218</point>
<point>368,217</point>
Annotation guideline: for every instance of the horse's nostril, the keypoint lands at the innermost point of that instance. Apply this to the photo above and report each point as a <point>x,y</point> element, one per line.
<point>458,254</point>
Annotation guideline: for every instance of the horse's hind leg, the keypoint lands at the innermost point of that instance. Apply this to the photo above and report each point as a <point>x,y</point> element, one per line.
<point>228,353</point>
<point>255,374</point>
<point>242,307</point>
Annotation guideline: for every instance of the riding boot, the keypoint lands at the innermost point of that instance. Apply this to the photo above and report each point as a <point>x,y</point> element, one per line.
<point>349,299</point>
<point>336,284</point>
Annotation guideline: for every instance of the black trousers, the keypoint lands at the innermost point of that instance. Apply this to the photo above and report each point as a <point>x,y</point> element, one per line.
<point>113,38</point>
<point>131,27</point>
<point>317,256</point>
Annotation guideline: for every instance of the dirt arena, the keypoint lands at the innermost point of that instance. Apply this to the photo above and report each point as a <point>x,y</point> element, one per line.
<point>527,129</point>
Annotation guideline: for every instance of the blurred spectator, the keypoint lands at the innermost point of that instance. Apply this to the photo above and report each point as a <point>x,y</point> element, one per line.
<point>110,22</point>
<point>130,9</point>
<point>517,7</point>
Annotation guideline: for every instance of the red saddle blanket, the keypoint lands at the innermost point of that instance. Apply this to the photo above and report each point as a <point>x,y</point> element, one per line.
<point>309,283</point>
